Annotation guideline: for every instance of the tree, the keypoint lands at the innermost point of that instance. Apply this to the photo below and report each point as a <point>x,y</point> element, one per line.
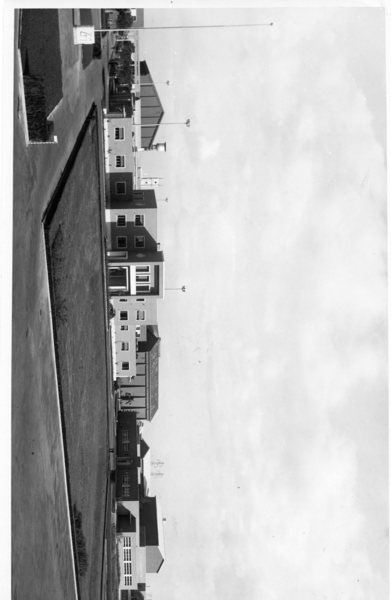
<point>124,20</point>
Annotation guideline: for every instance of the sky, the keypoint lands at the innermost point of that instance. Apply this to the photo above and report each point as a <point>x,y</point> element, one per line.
<point>273,419</point>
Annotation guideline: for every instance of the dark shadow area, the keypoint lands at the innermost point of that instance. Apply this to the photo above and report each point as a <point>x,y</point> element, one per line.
<point>81,552</point>
<point>41,63</point>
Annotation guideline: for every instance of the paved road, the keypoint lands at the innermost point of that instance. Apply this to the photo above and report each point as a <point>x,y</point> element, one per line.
<point>42,556</point>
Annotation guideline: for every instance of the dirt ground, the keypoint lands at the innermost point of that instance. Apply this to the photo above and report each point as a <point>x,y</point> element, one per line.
<point>42,562</point>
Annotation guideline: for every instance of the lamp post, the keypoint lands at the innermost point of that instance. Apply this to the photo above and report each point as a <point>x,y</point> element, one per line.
<point>179,289</point>
<point>186,27</point>
<point>85,34</point>
<point>187,123</point>
<point>155,83</point>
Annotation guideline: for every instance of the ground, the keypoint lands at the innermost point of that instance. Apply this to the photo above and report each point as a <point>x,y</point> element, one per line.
<point>42,560</point>
<point>75,255</point>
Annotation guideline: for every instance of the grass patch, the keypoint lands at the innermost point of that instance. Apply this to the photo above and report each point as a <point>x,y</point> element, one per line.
<point>82,558</point>
<point>74,244</point>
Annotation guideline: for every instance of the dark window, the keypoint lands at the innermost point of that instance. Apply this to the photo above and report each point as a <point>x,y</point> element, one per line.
<point>119,133</point>
<point>117,277</point>
<point>123,315</point>
<point>122,242</point>
<point>119,161</point>
<point>139,220</point>
<point>121,221</point>
<point>139,241</point>
<point>120,187</point>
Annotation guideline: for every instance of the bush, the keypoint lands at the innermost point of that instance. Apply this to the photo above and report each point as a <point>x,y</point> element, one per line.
<point>34,93</point>
<point>82,558</point>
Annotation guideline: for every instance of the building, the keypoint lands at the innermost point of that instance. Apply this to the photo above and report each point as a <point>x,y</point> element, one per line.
<point>141,394</point>
<point>135,274</point>
<point>119,164</point>
<point>139,533</point>
<point>140,542</point>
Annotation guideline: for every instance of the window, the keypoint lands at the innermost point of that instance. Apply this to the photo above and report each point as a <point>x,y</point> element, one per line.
<point>138,331</point>
<point>125,366</point>
<point>127,541</point>
<point>120,187</point>
<point>121,221</point>
<point>140,315</point>
<point>139,221</point>
<point>126,486</point>
<point>142,269</point>
<point>117,254</point>
<point>123,315</point>
<point>128,580</point>
<point>119,278</point>
<point>122,242</point>
<point>139,241</point>
<point>140,299</point>
<point>124,327</point>
<point>120,161</point>
<point>142,288</point>
<point>142,278</point>
<point>125,438</point>
<point>127,554</point>
<point>123,299</point>
<point>124,346</point>
<point>119,133</point>
<point>127,568</point>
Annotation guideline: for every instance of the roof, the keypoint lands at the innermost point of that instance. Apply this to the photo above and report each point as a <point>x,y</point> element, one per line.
<point>152,339</point>
<point>153,361</point>
<point>148,520</point>
<point>151,107</point>
<point>126,522</point>
<point>151,533</point>
<point>144,448</point>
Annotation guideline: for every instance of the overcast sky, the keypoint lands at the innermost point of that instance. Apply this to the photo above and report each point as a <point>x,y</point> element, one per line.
<point>273,377</point>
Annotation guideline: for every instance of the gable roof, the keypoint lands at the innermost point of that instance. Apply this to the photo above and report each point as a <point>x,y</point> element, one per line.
<point>151,107</point>
<point>153,360</point>
<point>144,448</point>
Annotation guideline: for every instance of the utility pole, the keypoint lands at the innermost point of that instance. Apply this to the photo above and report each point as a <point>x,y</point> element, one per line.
<point>85,34</point>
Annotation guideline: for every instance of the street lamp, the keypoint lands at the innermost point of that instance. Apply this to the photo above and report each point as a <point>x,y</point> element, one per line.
<point>187,123</point>
<point>154,83</point>
<point>85,34</point>
<point>183,288</point>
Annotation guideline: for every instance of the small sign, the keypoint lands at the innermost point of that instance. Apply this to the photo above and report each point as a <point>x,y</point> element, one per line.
<point>84,34</point>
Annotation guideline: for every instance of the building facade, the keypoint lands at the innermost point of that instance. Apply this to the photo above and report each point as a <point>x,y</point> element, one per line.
<point>135,277</point>
<point>139,533</point>
<point>141,394</point>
